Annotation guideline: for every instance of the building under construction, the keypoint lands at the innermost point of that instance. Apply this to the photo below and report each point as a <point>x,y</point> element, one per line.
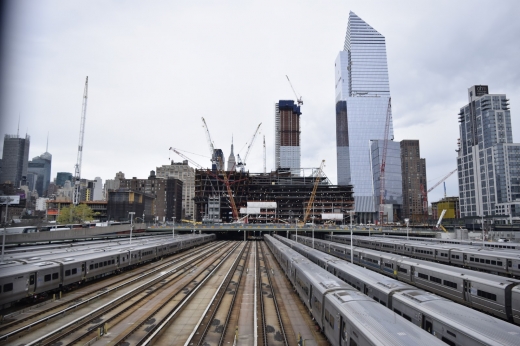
<point>276,197</point>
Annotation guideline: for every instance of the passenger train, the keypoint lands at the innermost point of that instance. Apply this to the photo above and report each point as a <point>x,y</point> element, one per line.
<point>504,262</point>
<point>488,244</point>
<point>452,323</point>
<point>345,315</point>
<point>496,295</point>
<point>39,277</point>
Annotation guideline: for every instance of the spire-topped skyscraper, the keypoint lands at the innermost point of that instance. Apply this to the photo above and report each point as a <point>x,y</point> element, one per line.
<point>231,163</point>
<point>362,98</point>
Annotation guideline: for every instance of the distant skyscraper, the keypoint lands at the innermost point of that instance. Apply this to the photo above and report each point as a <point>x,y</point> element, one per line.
<point>15,159</point>
<point>97,194</point>
<point>231,163</point>
<point>62,177</point>
<point>414,175</point>
<point>287,136</point>
<point>185,173</point>
<point>41,167</point>
<point>362,98</point>
<point>488,161</point>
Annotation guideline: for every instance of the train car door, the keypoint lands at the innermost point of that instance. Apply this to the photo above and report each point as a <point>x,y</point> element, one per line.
<point>467,291</point>
<point>427,324</point>
<point>310,295</point>
<point>343,335</point>
<point>30,284</point>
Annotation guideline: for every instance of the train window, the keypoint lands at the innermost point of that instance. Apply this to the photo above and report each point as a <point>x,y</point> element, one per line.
<point>74,271</point>
<point>105,263</point>
<point>8,287</point>
<point>509,264</point>
<point>67,272</point>
<point>327,315</point>
<point>471,259</point>
<point>499,263</point>
<point>55,276</point>
<point>382,303</point>
<point>494,263</point>
<point>487,295</point>
<point>47,278</point>
<point>423,276</point>
<point>488,261</point>
<point>452,334</point>
<point>434,279</point>
<point>31,280</point>
<point>450,284</point>
<point>397,312</point>
<point>407,317</point>
<point>100,264</point>
<point>482,260</point>
<point>91,267</point>
<point>113,261</point>
<point>448,341</point>
<point>331,322</point>
<point>376,299</point>
<point>402,270</point>
<point>352,342</point>
<point>96,265</point>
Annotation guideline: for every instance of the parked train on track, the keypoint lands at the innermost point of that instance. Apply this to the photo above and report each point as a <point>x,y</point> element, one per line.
<point>20,281</point>
<point>452,323</point>
<point>345,315</point>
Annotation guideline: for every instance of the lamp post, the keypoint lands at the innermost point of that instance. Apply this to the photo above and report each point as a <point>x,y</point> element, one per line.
<point>132,213</point>
<point>407,221</point>
<point>173,234</point>
<point>351,242</point>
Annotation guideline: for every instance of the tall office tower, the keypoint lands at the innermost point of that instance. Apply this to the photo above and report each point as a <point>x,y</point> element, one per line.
<point>414,176</point>
<point>287,150</point>
<point>488,161</point>
<point>362,100</point>
<point>97,193</point>
<point>41,167</point>
<point>62,177</point>
<point>15,159</point>
<point>231,163</point>
<point>393,195</point>
<point>186,174</point>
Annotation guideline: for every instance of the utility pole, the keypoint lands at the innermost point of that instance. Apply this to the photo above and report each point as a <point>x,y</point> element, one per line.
<point>77,170</point>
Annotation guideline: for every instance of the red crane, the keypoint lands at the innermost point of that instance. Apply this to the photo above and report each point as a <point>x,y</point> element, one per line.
<point>383,162</point>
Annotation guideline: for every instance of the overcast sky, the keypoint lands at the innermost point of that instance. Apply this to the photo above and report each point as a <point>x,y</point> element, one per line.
<point>156,67</point>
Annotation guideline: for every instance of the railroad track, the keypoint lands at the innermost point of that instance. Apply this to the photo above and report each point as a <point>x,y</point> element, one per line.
<point>125,289</point>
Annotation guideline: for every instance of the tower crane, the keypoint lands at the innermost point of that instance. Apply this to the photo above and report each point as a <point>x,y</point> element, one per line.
<point>298,100</point>
<point>313,194</point>
<point>229,191</point>
<point>383,162</point>
<point>77,169</point>
<point>186,158</point>
<point>240,163</point>
<point>210,144</point>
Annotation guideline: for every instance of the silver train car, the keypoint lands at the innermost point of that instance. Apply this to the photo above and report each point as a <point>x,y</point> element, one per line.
<point>36,277</point>
<point>481,291</point>
<point>503,262</point>
<point>346,316</point>
<point>450,322</point>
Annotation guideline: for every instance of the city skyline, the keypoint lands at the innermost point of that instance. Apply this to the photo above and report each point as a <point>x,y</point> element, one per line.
<point>155,70</point>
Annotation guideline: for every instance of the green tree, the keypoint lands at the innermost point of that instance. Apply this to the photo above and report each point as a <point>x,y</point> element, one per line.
<point>75,214</point>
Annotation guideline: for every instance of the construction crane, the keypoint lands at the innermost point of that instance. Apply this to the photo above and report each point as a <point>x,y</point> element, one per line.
<point>383,162</point>
<point>210,144</point>
<point>298,100</point>
<point>240,163</point>
<point>442,180</point>
<point>186,158</point>
<point>229,191</point>
<point>264,156</point>
<point>77,170</point>
<point>313,194</point>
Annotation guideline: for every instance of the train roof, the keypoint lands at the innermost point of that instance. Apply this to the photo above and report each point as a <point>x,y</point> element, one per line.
<point>22,269</point>
<point>490,330</point>
<point>380,324</point>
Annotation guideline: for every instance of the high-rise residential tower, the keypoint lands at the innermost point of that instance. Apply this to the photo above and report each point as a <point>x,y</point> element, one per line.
<point>362,102</point>
<point>488,161</point>
<point>414,181</point>
<point>287,150</point>
<point>15,159</point>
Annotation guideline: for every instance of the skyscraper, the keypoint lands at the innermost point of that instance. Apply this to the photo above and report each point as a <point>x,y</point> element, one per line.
<point>362,100</point>
<point>15,159</point>
<point>287,136</point>
<point>231,163</point>
<point>41,167</point>
<point>414,176</point>
<point>488,161</point>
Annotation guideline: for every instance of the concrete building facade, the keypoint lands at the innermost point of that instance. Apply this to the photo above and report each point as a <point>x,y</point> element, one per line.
<point>186,174</point>
<point>287,149</point>
<point>413,168</point>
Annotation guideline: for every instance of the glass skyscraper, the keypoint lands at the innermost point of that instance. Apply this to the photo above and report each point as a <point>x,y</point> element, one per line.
<point>362,101</point>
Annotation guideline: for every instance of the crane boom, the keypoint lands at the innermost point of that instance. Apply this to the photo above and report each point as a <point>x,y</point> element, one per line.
<point>229,191</point>
<point>241,163</point>
<point>77,169</point>
<point>210,142</point>
<point>383,162</point>
<point>186,158</point>
<point>442,180</point>
<point>298,100</point>
<point>313,194</point>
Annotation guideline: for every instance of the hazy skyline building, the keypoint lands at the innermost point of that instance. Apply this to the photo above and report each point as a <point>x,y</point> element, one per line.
<point>41,167</point>
<point>231,163</point>
<point>15,159</point>
<point>362,99</point>
<point>488,161</point>
<point>62,177</point>
<point>287,136</point>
